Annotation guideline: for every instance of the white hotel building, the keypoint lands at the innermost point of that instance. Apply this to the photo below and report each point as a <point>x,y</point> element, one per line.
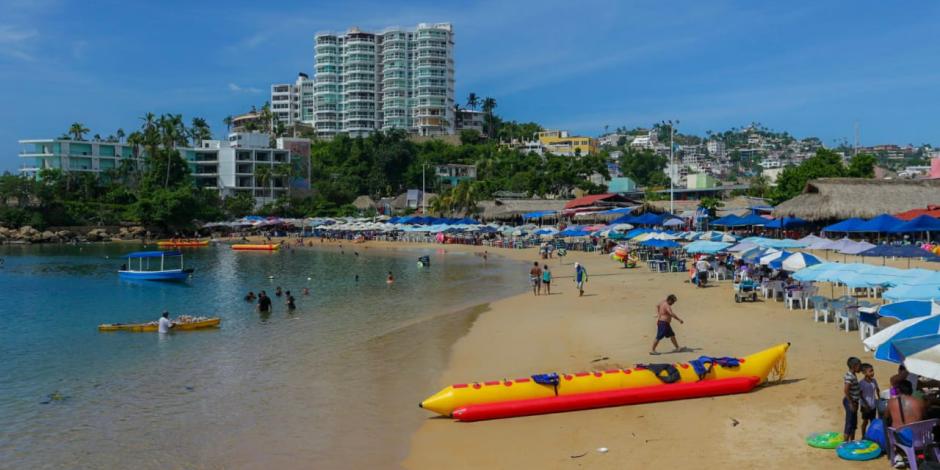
<point>394,79</point>
<point>229,166</point>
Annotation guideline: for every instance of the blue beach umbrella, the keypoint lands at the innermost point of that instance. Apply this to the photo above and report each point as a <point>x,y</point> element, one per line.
<point>921,355</point>
<point>906,310</point>
<point>881,341</point>
<point>798,261</point>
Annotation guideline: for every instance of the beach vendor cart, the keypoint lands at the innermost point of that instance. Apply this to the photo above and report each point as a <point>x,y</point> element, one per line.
<point>745,289</point>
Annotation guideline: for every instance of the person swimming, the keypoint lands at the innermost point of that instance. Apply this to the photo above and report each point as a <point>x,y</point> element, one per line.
<point>390,279</point>
<point>278,291</point>
<point>306,291</point>
<point>250,297</point>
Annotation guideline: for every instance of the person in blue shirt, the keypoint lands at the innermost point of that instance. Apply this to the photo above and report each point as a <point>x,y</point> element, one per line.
<point>580,277</point>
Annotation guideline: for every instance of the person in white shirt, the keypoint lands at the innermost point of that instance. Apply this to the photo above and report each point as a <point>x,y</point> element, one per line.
<point>165,325</point>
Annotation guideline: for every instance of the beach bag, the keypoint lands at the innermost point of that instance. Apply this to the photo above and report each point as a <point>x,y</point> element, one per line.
<point>876,433</point>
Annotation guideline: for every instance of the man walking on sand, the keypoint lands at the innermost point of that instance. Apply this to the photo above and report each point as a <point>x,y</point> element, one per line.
<point>664,316</point>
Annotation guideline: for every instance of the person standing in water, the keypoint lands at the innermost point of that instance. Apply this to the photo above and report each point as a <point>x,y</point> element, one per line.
<point>389,279</point>
<point>580,277</point>
<point>264,302</point>
<point>164,325</point>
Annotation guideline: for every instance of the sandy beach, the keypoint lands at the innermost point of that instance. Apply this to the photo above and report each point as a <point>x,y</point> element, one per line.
<point>613,326</point>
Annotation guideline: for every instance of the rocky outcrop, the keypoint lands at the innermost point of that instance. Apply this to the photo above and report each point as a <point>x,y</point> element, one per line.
<point>28,234</point>
<point>97,235</point>
<point>131,233</point>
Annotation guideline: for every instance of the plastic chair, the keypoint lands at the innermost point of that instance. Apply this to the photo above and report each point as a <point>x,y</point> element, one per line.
<point>820,307</point>
<point>846,316</point>
<point>923,436</point>
<point>793,296</point>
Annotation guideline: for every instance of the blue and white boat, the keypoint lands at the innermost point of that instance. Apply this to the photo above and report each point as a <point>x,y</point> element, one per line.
<point>143,265</point>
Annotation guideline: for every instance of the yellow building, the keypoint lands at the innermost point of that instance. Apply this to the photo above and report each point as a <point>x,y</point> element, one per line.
<point>560,143</point>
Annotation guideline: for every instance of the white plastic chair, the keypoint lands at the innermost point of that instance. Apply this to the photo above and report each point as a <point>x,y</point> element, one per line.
<point>794,296</point>
<point>847,316</point>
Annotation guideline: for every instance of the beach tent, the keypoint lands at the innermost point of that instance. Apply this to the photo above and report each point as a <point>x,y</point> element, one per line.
<point>848,225</point>
<point>660,243</point>
<point>708,247</point>
<point>785,222</point>
<point>752,219</point>
<point>648,219</point>
<point>923,223</point>
<point>798,261</point>
<point>730,220</point>
<point>899,251</point>
<point>539,214</point>
<point>881,224</point>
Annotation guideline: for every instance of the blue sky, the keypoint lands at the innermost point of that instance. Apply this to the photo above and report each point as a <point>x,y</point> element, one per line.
<point>809,67</point>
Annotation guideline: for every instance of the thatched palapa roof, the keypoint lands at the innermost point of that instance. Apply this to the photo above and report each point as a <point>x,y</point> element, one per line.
<point>843,198</point>
<point>364,203</point>
<point>506,209</point>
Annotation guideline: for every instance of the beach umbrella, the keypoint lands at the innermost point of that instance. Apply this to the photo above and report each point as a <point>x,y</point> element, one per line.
<point>673,223</point>
<point>923,223</point>
<point>768,257</point>
<point>785,222</point>
<point>921,355</point>
<point>798,261</point>
<point>707,247</point>
<point>913,328</point>
<point>906,310</point>
<point>912,292</point>
<point>621,227</point>
<point>855,248</point>
<point>848,225</point>
<point>742,247</point>
<point>881,224</point>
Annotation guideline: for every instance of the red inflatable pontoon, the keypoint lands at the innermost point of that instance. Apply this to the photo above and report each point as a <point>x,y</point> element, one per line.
<point>584,401</point>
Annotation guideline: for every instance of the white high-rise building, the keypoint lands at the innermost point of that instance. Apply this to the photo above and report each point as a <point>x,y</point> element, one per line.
<point>394,79</point>
<point>292,103</point>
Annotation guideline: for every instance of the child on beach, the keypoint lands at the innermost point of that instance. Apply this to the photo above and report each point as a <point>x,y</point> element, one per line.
<point>851,396</point>
<point>869,390</point>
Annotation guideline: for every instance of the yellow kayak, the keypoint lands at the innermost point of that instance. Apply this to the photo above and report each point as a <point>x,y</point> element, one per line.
<point>152,327</point>
<point>182,243</point>
<point>758,365</point>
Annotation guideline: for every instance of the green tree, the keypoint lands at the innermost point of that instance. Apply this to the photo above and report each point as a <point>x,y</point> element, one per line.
<point>473,101</point>
<point>77,130</point>
<point>825,164</point>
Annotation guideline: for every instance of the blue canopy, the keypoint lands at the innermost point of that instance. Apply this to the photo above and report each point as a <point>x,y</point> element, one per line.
<point>898,251</point>
<point>153,254</point>
<point>574,231</point>
<point>648,218</point>
<point>637,231</point>
<point>881,224</point>
<point>848,225</point>
<point>660,243</point>
<point>786,222</point>
<point>703,246</point>
<point>924,223</point>
<point>619,210</point>
<point>539,214</point>
<point>726,221</point>
<point>752,219</point>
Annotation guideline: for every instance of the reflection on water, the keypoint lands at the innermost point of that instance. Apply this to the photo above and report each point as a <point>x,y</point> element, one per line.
<point>334,382</point>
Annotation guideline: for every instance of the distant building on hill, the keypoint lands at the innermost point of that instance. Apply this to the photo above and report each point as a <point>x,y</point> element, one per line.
<point>452,174</point>
<point>469,119</point>
<point>292,103</point>
<point>561,143</point>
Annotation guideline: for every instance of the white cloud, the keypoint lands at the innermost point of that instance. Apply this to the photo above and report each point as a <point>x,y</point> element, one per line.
<point>17,42</point>
<point>235,88</point>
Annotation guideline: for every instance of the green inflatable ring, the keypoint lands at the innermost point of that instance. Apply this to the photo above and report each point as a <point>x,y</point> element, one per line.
<point>824,440</point>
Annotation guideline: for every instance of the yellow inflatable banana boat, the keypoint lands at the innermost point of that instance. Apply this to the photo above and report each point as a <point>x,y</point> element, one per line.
<point>758,365</point>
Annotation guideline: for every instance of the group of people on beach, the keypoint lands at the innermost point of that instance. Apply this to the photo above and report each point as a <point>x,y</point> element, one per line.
<point>898,406</point>
<point>265,304</point>
<point>540,276</point>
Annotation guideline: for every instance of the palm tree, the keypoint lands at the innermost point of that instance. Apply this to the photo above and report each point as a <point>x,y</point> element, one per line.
<point>120,135</point>
<point>149,121</point>
<point>263,176</point>
<point>282,172</point>
<point>228,123</point>
<point>77,130</point>
<point>473,101</point>
<point>200,130</point>
<point>489,104</point>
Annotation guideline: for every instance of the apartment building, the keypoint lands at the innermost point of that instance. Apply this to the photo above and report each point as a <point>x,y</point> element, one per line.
<point>245,163</point>
<point>292,103</point>
<point>230,166</point>
<point>394,79</point>
<point>74,156</point>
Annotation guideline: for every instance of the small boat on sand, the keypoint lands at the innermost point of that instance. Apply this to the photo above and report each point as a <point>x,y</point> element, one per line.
<point>139,267</point>
<point>197,323</point>
<point>256,247</point>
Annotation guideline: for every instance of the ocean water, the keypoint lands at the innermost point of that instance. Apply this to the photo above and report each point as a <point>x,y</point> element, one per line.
<point>332,385</point>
